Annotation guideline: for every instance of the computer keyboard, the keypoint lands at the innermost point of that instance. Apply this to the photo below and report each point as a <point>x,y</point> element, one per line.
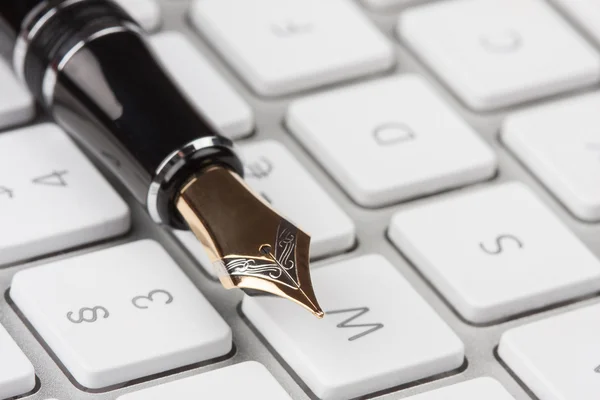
<point>444,155</point>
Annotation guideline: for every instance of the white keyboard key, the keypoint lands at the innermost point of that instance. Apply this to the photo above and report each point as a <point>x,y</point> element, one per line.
<point>195,248</point>
<point>390,140</point>
<point>17,376</point>
<point>205,87</point>
<point>281,46</point>
<point>145,12</point>
<point>248,381</point>
<point>475,389</point>
<point>120,314</point>
<point>51,196</point>
<point>495,252</point>
<point>272,171</point>
<point>382,4</point>
<point>560,143</point>
<point>377,332</point>
<point>558,358</point>
<point>494,53</point>
<point>584,12</point>
<point>16,104</point>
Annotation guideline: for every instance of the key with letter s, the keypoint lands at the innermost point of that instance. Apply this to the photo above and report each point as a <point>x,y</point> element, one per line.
<point>120,314</point>
<point>495,252</point>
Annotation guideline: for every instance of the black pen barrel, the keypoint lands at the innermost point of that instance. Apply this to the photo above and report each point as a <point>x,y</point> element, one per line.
<point>90,66</point>
<point>14,12</point>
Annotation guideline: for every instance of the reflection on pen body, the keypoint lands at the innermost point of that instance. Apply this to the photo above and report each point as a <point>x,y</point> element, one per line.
<point>88,65</point>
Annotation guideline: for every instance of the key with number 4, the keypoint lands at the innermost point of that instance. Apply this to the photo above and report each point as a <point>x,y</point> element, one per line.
<point>51,196</point>
<point>120,314</point>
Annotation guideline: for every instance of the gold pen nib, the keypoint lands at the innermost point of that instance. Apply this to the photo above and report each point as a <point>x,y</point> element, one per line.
<point>251,245</point>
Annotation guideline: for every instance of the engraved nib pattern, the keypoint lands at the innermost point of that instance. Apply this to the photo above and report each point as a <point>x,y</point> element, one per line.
<point>278,266</point>
<point>251,246</point>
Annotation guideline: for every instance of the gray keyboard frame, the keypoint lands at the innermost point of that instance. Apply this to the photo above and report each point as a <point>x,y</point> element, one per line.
<point>371,224</point>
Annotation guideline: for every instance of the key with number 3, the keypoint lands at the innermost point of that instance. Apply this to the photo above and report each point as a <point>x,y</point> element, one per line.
<point>120,314</point>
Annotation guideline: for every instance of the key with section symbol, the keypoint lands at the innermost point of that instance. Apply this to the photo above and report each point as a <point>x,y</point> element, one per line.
<point>120,314</point>
<point>377,332</point>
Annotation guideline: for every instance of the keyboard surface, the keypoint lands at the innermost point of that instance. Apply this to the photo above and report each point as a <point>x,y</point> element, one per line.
<point>445,156</point>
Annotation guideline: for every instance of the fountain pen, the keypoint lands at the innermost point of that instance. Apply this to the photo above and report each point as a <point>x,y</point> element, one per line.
<point>88,64</point>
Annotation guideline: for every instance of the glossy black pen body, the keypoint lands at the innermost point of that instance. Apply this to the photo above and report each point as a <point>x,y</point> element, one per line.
<point>88,63</point>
